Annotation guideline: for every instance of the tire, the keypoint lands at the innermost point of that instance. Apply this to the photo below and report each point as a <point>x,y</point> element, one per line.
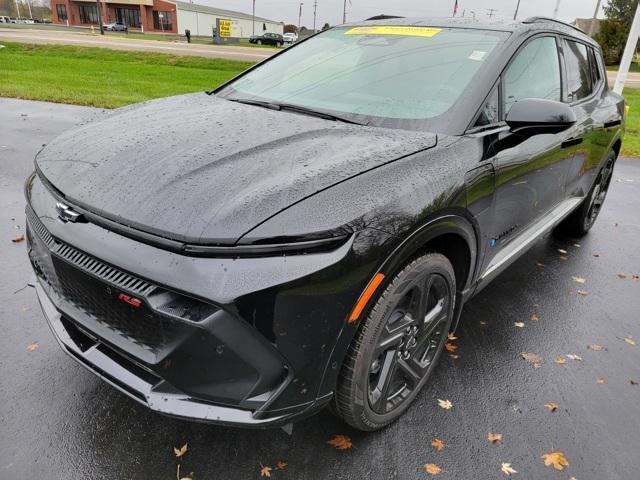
<point>395,348</point>
<point>580,221</point>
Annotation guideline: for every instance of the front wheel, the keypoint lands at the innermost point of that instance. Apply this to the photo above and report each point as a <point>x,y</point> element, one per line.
<point>582,219</point>
<point>397,345</point>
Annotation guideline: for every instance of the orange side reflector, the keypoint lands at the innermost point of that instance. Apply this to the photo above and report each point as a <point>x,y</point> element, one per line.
<point>366,295</point>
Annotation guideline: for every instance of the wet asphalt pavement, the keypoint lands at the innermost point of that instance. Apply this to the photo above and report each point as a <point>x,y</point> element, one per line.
<point>58,421</point>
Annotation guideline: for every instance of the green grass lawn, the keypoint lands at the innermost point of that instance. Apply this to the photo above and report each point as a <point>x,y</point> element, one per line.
<point>105,78</point>
<point>631,141</point>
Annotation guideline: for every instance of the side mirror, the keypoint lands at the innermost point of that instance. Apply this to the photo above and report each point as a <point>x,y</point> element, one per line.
<point>533,116</point>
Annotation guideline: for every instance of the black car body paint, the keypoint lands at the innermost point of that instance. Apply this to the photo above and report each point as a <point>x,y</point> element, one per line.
<point>177,196</point>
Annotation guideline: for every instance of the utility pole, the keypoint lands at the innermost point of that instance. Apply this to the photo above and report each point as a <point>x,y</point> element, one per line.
<point>29,5</point>
<point>253,20</point>
<point>99,6</point>
<point>515,14</point>
<point>555,11</point>
<point>17,8</point>
<point>344,12</point>
<point>592,27</point>
<point>490,12</point>
<point>629,50</point>
<point>299,17</point>
<point>315,8</point>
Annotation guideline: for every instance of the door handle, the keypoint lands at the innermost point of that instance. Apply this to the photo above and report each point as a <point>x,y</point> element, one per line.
<point>571,142</point>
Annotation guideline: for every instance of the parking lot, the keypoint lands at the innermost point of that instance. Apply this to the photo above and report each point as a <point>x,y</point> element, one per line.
<point>59,421</point>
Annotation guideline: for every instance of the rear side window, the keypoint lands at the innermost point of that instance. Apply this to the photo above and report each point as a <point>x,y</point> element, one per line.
<point>534,73</point>
<point>595,69</point>
<point>579,80</point>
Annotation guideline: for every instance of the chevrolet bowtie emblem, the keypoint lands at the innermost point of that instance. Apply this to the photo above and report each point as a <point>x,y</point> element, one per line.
<point>66,213</point>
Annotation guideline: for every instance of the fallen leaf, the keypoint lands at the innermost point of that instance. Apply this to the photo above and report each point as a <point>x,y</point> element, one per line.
<point>450,347</point>
<point>432,468</point>
<point>519,324</point>
<point>635,277</point>
<point>562,251</point>
<point>32,347</point>
<point>178,477</point>
<point>281,465</point>
<point>180,451</point>
<point>633,382</point>
<point>537,365</point>
<point>265,471</point>
<point>596,348</point>
<point>530,357</point>
<point>595,254</point>
<point>438,444</point>
<point>341,442</point>
<point>621,274</point>
<point>539,264</point>
<point>555,459</point>
<point>507,469</point>
<point>446,404</point>
<point>535,318</point>
<point>536,305</point>
<point>579,279</point>
<point>571,356</point>
<point>582,292</point>
<point>551,406</point>
<point>482,322</point>
<point>562,257</point>
<point>17,238</point>
<point>451,336</point>
<point>600,380</point>
<point>630,341</point>
<point>455,357</point>
<point>577,245</point>
<point>560,360</point>
<point>494,437</point>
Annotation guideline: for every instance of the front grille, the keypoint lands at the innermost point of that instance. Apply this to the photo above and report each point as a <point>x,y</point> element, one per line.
<point>93,287</point>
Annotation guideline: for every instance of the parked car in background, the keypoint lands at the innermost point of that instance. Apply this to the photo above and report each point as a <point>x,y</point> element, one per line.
<point>4,19</point>
<point>311,230</point>
<point>274,39</point>
<point>290,37</point>
<point>115,27</point>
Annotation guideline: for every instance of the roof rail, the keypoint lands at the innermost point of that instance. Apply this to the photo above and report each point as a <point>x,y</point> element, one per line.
<point>537,19</point>
<point>383,17</point>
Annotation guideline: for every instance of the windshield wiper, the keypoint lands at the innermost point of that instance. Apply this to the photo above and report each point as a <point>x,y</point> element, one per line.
<point>295,108</point>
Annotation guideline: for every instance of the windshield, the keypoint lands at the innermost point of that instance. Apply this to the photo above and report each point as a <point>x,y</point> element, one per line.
<point>372,74</point>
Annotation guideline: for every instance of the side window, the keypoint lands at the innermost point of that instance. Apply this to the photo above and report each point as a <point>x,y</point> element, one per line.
<point>595,69</point>
<point>489,113</point>
<point>578,73</point>
<point>534,73</point>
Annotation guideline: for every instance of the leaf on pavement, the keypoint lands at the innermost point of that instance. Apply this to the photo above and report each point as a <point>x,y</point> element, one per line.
<point>17,238</point>
<point>507,469</point>
<point>539,264</point>
<point>452,336</point>
<point>600,380</point>
<point>633,382</point>
<point>564,257</point>
<point>432,468</point>
<point>450,347</point>
<point>494,437</point>
<point>530,357</point>
<point>551,406</point>
<point>446,404</point>
<point>560,360</point>
<point>555,460</point>
<point>621,274</point>
<point>584,293</point>
<point>180,451</point>
<point>535,318</point>
<point>630,340</point>
<point>595,254</point>
<point>571,356</point>
<point>438,444</point>
<point>341,442</point>
<point>265,471</point>
<point>579,279</point>
<point>519,324</point>
<point>32,347</point>
<point>596,347</point>
<point>281,465</point>
<point>562,251</point>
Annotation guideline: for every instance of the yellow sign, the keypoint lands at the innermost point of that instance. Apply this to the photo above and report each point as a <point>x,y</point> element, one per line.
<point>394,30</point>
<point>225,28</point>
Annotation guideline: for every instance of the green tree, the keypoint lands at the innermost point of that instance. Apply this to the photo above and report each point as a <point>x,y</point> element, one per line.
<point>289,28</point>
<point>614,30</point>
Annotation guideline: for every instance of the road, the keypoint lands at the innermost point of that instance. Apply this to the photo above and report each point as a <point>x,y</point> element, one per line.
<point>116,43</point>
<point>59,421</point>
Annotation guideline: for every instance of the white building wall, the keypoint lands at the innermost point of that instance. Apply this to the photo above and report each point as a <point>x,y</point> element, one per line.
<point>202,24</point>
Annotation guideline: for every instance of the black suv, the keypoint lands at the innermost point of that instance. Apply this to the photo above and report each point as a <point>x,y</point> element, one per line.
<point>274,39</point>
<point>309,232</point>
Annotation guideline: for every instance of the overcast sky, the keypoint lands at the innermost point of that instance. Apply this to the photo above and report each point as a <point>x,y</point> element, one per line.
<point>331,10</point>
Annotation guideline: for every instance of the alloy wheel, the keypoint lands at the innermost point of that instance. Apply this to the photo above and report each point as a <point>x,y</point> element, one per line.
<point>599,192</point>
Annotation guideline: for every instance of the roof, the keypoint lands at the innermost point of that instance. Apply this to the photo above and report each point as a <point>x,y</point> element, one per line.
<point>218,12</point>
<point>532,23</point>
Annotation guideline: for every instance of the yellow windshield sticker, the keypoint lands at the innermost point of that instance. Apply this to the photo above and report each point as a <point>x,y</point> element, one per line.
<point>394,30</point>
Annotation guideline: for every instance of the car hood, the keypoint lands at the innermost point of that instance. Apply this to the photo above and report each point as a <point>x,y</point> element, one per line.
<point>199,169</point>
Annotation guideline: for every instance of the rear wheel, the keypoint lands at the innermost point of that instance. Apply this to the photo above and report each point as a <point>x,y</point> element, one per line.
<point>397,345</point>
<point>582,219</point>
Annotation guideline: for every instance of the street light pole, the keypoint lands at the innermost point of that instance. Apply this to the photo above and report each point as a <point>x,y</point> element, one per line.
<point>344,12</point>
<point>629,50</point>
<point>515,14</point>
<point>253,19</point>
<point>315,7</point>
<point>593,20</point>
<point>299,16</point>
<point>99,6</point>
<point>555,11</point>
